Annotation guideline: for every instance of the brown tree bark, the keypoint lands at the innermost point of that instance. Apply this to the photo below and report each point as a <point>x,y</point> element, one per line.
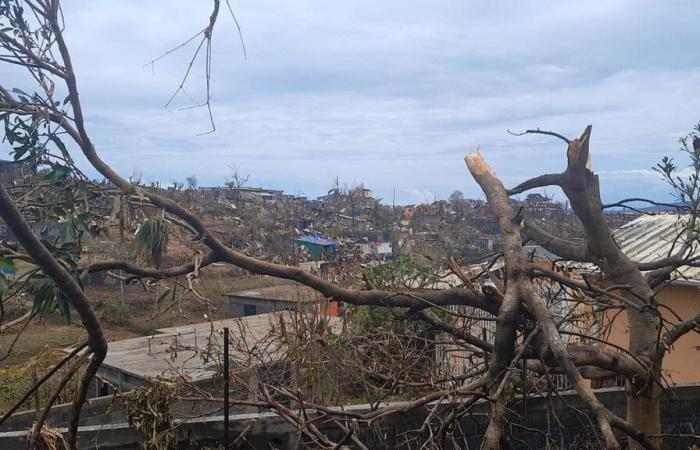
<point>581,187</point>
<point>515,306</point>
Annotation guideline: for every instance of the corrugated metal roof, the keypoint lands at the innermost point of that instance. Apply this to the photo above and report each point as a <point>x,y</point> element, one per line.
<point>651,238</point>
<point>292,293</point>
<point>314,239</point>
<point>154,357</point>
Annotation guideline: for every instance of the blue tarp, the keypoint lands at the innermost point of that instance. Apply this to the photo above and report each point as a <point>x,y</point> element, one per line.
<point>316,240</point>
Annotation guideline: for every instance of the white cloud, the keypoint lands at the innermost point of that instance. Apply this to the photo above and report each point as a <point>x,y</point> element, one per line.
<point>420,196</point>
<point>390,93</point>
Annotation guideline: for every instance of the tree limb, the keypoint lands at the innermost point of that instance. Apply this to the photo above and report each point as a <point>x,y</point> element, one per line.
<point>550,179</point>
<point>560,247</point>
<point>544,132</point>
<point>682,328</point>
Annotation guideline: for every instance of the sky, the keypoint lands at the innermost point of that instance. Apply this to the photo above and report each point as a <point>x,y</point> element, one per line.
<point>391,94</point>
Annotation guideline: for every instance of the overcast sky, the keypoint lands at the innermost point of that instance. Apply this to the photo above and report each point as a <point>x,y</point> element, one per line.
<point>390,93</point>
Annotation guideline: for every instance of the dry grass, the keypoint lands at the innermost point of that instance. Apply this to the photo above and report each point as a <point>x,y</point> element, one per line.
<point>137,315</point>
<point>144,311</point>
<point>42,333</point>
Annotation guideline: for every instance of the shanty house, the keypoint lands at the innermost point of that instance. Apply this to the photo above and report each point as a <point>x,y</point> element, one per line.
<point>315,247</point>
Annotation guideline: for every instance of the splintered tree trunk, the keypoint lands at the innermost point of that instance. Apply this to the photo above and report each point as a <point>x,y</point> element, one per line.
<point>583,190</point>
<point>644,393</point>
<point>497,433</point>
<point>581,187</point>
<point>644,410</point>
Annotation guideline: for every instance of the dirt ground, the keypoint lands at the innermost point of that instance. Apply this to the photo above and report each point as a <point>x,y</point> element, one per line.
<point>139,313</point>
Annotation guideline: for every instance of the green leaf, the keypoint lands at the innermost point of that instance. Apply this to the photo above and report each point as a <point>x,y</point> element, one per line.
<point>62,147</point>
<point>44,294</point>
<point>64,305</point>
<point>20,151</point>
<point>152,239</point>
<point>47,297</point>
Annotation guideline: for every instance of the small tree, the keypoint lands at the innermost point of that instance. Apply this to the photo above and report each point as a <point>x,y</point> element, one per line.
<point>191,182</point>
<point>236,182</point>
<point>457,202</point>
<point>456,197</point>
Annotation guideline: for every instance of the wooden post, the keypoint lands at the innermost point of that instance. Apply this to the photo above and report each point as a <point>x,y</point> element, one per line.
<point>36,393</point>
<point>226,390</point>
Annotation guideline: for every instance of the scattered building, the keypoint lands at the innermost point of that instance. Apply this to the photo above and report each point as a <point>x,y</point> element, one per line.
<point>542,207</point>
<point>314,247</point>
<point>255,195</point>
<point>278,298</point>
<point>53,232</point>
<point>13,170</point>
<point>376,249</point>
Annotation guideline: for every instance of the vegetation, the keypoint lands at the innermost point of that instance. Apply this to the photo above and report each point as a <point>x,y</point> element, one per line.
<point>148,411</point>
<point>27,367</point>
<point>379,359</point>
<point>152,239</point>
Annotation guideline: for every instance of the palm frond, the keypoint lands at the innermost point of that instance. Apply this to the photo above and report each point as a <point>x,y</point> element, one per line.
<point>152,239</point>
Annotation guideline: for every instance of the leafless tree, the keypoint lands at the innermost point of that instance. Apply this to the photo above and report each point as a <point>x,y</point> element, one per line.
<point>526,335</point>
<point>192,182</point>
<point>236,182</point>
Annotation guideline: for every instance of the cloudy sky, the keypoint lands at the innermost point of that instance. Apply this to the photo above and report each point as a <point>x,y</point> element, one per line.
<point>390,93</point>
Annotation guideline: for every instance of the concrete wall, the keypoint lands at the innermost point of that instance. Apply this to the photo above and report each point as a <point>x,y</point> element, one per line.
<point>108,409</point>
<point>122,381</point>
<point>236,306</point>
<point>563,416</point>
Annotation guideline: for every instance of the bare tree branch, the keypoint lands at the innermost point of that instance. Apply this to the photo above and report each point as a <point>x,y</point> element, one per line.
<point>551,179</point>
<point>560,247</point>
<point>544,132</point>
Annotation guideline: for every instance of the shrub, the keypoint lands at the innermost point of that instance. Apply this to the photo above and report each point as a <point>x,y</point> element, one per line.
<point>115,312</point>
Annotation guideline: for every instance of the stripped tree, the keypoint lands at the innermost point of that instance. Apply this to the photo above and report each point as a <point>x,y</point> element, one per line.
<point>526,335</point>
